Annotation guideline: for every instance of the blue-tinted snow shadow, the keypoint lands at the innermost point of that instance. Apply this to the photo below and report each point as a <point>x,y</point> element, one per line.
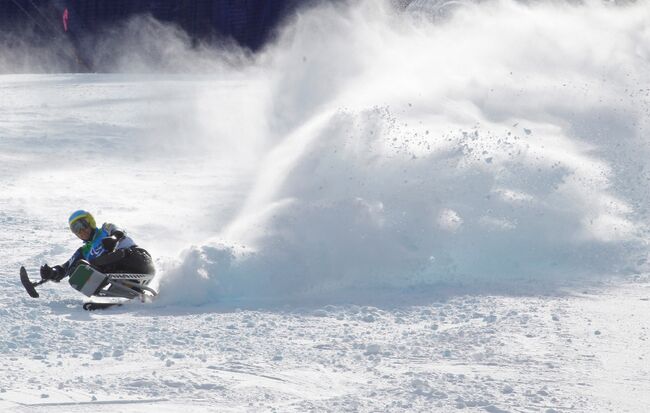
<point>386,299</point>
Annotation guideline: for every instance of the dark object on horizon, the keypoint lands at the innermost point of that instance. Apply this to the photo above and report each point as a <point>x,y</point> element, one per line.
<point>248,22</point>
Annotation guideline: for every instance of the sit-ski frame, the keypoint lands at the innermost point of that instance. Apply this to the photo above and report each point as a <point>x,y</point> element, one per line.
<point>93,283</point>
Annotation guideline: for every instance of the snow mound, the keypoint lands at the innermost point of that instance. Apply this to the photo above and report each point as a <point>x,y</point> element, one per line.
<point>399,157</point>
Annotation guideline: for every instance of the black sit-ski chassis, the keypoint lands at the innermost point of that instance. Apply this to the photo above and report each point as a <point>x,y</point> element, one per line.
<point>95,284</point>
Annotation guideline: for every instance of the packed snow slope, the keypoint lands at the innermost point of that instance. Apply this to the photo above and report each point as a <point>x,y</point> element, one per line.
<point>385,210</point>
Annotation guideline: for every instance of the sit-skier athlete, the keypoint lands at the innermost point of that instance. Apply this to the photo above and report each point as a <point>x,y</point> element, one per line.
<point>98,250</point>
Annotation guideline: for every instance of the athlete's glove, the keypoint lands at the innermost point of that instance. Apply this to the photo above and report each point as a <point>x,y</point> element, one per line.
<point>56,273</point>
<point>109,243</point>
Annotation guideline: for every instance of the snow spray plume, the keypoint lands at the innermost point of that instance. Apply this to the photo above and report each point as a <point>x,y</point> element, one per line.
<point>142,44</point>
<point>26,50</point>
<point>498,147</point>
<point>139,44</point>
<point>189,121</point>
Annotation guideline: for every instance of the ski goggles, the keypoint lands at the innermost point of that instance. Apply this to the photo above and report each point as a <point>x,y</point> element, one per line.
<point>79,225</point>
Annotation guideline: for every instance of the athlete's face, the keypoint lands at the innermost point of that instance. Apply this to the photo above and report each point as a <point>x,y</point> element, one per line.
<point>84,233</point>
<point>81,229</point>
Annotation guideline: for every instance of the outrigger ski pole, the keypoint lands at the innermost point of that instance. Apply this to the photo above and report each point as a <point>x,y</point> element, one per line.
<point>28,284</point>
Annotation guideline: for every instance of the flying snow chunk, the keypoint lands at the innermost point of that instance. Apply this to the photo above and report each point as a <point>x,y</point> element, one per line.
<point>449,220</point>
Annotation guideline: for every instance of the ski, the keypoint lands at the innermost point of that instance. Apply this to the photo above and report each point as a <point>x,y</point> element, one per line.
<point>28,284</point>
<point>90,306</point>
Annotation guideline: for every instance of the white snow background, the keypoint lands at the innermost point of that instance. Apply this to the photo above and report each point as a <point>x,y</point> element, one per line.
<point>427,210</point>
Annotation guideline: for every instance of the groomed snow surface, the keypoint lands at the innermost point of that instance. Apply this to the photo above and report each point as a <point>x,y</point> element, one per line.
<point>434,209</point>
<point>583,352</point>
